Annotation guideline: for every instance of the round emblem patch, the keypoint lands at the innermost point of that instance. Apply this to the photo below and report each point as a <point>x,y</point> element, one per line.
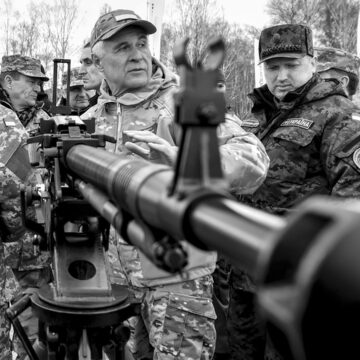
<point>356,157</point>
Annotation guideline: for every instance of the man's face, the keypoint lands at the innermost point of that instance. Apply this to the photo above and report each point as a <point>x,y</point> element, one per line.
<point>91,75</point>
<point>23,92</point>
<point>283,75</point>
<point>79,98</point>
<point>126,61</point>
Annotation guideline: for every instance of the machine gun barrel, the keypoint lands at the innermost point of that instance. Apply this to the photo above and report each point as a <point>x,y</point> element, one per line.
<point>209,220</point>
<point>306,267</point>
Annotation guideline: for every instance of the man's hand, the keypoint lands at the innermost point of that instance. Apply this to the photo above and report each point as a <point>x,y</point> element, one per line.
<point>159,150</point>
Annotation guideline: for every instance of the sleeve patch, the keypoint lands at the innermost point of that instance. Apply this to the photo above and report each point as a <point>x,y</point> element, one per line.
<point>355,116</point>
<point>298,122</point>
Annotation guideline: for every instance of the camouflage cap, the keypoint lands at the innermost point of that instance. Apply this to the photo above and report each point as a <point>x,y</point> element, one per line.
<point>25,65</point>
<point>76,78</point>
<point>289,40</point>
<point>109,24</point>
<point>332,58</point>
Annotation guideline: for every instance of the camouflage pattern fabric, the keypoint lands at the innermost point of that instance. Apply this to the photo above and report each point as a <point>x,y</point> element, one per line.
<point>164,328</point>
<point>313,145</point>
<point>17,249</point>
<point>15,169</point>
<point>246,330</point>
<point>151,109</point>
<point>332,58</point>
<point>244,161</point>
<point>5,342</point>
<point>288,40</point>
<point>110,23</point>
<point>25,65</point>
<point>221,303</point>
<point>312,139</point>
<point>8,289</point>
<point>177,322</point>
<point>243,157</point>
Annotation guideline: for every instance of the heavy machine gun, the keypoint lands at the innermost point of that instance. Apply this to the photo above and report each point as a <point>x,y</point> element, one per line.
<point>305,266</point>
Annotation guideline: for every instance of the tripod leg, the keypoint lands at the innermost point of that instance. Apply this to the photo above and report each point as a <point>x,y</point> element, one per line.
<point>84,348</point>
<point>12,312</point>
<point>52,344</point>
<point>116,349</point>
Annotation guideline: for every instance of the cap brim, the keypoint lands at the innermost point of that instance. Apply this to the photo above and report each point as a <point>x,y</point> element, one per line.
<point>146,25</point>
<point>34,74</point>
<point>76,84</point>
<point>323,68</point>
<point>283,55</point>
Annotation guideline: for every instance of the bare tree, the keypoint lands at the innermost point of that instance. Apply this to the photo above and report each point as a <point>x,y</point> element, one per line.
<point>334,21</point>
<point>200,20</point>
<point>238,67</point>
<point>6,10</point>
<point>195,22</point>
<point>293,11</point>
<point>25,33</point>
<point>196,17</point>
<point>338,24</point>
<point>58,22</point>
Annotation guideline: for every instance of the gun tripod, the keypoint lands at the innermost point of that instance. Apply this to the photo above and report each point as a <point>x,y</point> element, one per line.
<point>80,313</point>
<point>75,331</point>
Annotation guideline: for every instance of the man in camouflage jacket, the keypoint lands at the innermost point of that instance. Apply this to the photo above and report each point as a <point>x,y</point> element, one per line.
<point>78,96</point>
<point>19,114</point>
<point>312,138</point>
<point>177,315</point>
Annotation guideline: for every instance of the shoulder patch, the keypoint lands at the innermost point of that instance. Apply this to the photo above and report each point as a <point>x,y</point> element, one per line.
<point>298,122</point>
<point>9,121</point>
<point>355,116</point>
<point>356,157</point>
<point>250,123</point>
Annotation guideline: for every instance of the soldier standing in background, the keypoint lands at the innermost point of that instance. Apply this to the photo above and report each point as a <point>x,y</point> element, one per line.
<point>339,64</point>
<point>91,75</point>
<point>78,96</point>
<point>20,83</point>
<point>313,142</point>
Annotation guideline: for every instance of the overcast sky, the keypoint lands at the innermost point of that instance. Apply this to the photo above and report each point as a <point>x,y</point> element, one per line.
<point>240,11</point>
<point>243,12</point>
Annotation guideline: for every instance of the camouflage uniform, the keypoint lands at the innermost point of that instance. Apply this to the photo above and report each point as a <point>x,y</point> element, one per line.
<point>31,269</point>
<point>76,81</point>
<point>160,293</point>
<point>341,62</point>
<point>9,289</point>
<point>177,314</point>
<point>313,141</point>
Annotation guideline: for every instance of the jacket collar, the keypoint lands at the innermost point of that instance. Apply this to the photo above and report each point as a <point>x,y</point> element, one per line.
<point>316,88</point>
